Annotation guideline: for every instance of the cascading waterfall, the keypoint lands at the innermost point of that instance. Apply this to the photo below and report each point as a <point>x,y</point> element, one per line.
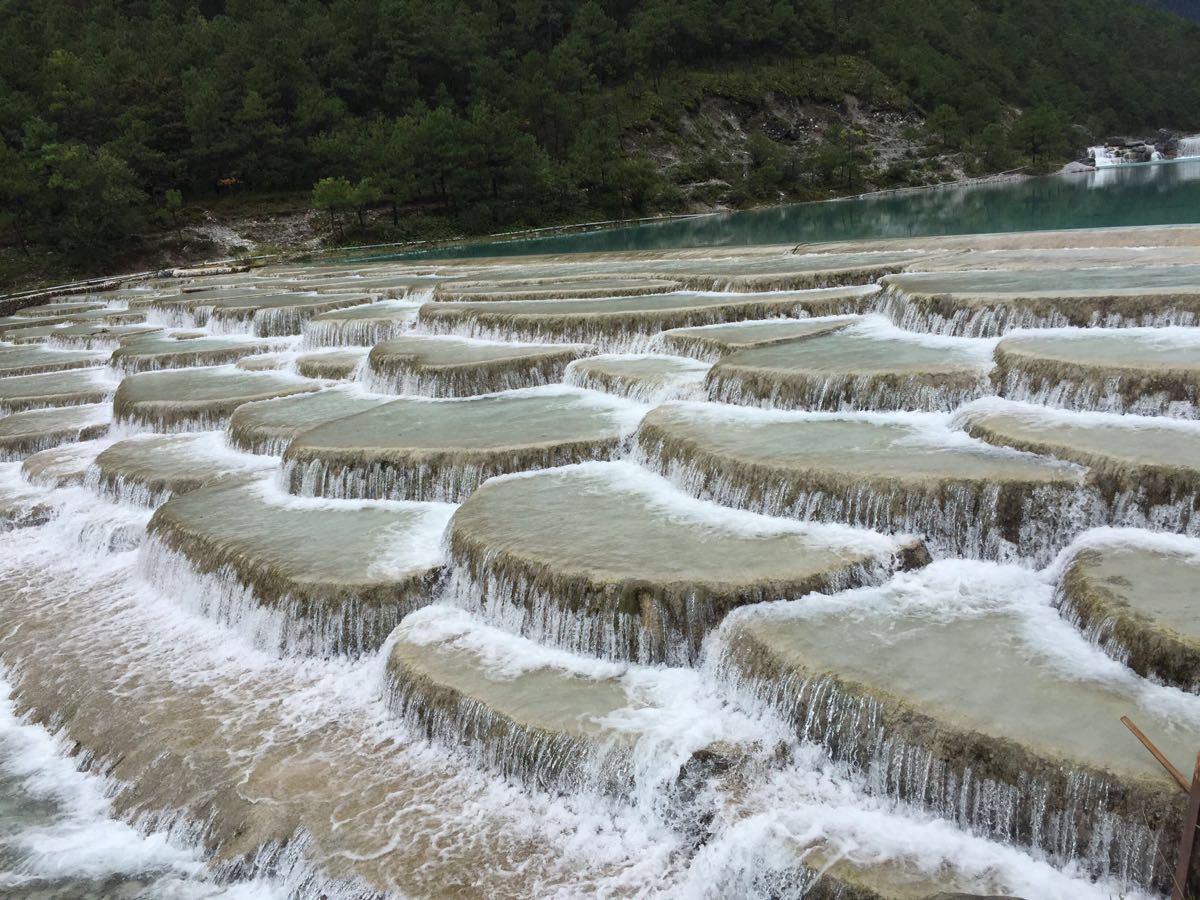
<point>309,678</point>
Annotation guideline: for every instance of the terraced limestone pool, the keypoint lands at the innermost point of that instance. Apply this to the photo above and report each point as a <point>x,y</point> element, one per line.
<point>419,597</point>
<point>870,366</point>
<point>993,301</point>
<point>609,560</point>
<point>445,449</point>
<point>443,366</point>
<point>198,399</point>
<point>1148,371</point>
<point>897,473</point>
<point>630,323</point>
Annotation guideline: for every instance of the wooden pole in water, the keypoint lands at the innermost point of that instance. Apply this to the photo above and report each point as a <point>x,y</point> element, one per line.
<point>1187,840</point>
<point>1183,783</point>
<point>1191,819</point>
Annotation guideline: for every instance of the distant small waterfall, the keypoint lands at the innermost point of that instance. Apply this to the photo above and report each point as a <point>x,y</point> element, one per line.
<point>1189,146</point>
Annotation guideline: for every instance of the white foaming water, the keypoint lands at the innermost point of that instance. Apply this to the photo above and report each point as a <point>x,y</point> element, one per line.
<point>58,831</point>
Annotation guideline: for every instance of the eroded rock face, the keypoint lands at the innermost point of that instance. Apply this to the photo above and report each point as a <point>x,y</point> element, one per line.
<point>606,559</point>
<point>444,449</point>
<point>630,324</point>
<point>298,561</point>
<point>1033,295</point>
<point>443,366</point>
<point>198,399</point>
<point>889,473</point>
<point>1133,594</point>
<point>867,367</point>
<point>1144,371</point>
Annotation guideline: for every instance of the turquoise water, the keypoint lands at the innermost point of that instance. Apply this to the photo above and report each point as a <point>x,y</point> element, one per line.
<point>1166,194</point>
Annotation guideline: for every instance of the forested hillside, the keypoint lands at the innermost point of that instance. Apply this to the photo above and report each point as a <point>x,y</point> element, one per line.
<point>118,118</point>
<point>1189,9</point>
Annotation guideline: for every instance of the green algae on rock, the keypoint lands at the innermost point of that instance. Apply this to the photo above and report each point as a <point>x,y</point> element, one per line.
<point>444,449</point>
<point>1148,371</point>
<point>198,399</point>
<point>446,366</point>
<point>890,473</point>
<point>1133,594</point>
<point>607,559</point>
<point>306,576</point>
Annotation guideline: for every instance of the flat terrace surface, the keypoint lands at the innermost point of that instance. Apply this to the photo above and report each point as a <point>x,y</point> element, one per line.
<point>275,422</point>
<point>215,390</point>
<point>244,307</point>
<point>444,351</point>
<point>973,674</point>
<point>851,352</point>
<point>450,648</point>
<point>639,375</point>
<point>331,363</point>
<point>487,424</point>
<point>863,447</point>
<point>549,289</point>
<point>714,341</point>
<point>163,465</point>
<point>61,466</point>
<point>168,352</point>
<point>383,311</point>
<point>1087,437</point>
<point>69,388</point>
<point>611,523</point>
<point>1119,348</point>
<point>1158,585</point>
<point>24,433</point>
<point>1111,280</point>
<point>306,542</point>
<point>29,360</point>
<point>648,304</point>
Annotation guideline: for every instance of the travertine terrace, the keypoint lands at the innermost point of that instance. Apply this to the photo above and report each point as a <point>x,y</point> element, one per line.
<point>833,564</point>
